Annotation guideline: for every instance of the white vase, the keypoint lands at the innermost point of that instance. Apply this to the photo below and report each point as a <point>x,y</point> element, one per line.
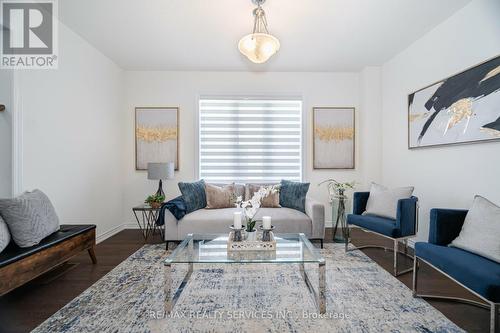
<point>251,235</point>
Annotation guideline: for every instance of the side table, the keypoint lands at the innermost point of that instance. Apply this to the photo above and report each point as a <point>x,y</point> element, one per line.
<point>146,217</point>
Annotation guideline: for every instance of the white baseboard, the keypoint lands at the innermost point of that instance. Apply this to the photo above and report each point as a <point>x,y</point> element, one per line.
<point>113,231</point>
<point>130,226</point>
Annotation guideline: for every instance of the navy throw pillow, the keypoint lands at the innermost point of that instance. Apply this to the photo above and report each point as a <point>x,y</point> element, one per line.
<point>293,195</point>
<point>194,195</point>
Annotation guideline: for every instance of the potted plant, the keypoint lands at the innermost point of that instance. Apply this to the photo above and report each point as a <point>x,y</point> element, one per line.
<point>251,208</point>
<point>337,192</point>
<point>155,200</point>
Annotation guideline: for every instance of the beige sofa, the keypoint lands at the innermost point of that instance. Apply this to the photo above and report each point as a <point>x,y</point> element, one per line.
<point>285,220</point>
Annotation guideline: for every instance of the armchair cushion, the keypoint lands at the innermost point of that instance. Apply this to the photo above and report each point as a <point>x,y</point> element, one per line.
<point>383,201</point>
<point>378,224</point>
<point>476,272</point>
<point>480,232</point>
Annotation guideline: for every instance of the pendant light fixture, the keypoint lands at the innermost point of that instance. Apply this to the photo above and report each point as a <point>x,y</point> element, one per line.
<point>259,46</point>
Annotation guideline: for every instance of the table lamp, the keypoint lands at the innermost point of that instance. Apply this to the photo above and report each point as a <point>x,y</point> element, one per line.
<point>160,171</point>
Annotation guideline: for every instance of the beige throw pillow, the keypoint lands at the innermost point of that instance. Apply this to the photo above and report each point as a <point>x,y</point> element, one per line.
<point>270,201</point>
<point>480,232</point>
<point>219,197</point>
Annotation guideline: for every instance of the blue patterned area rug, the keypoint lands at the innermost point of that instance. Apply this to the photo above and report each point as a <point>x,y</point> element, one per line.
<point>361,297</point>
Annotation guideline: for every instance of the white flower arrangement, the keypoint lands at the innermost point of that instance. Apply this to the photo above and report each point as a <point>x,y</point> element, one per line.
<point>252,206</point>
<point>336,188</point>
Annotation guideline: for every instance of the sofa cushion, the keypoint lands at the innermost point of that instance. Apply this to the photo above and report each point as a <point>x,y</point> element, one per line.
<point>480,232</point>
<point>14,253</point>
<point>239,189</point>
<point>285,220</point>
<point>293,195</point>
<point>4,235</point>
<point>383,201</point>
<point>378,224</point>
<point>476,272</point>
<point>194,195</point>
<point>220,197</point>
<point>30,217</point>
<point>270,201</point>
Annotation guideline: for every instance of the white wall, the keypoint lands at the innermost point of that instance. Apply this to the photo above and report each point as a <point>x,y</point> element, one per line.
<point>72,132</point>
<point>183,89</point>
<point>5,133</point>
<point>446,176</point>
<point>370,126</point>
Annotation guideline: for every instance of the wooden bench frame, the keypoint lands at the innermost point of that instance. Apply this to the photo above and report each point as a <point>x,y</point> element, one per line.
<point>22,271</point>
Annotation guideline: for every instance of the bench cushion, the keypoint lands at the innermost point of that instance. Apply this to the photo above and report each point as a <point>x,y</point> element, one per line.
<point>14,253</point>
<point>31,217</point>
<point>378,224</point>
<point>476,272</point>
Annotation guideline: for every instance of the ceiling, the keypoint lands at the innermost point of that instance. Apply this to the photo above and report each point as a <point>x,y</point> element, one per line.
<point>315,35</point>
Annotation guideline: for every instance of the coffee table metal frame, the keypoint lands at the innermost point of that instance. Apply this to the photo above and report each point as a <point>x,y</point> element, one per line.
<point>171,297</point>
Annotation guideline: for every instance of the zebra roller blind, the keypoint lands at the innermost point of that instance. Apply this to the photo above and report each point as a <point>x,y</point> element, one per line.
<point>250,140</point>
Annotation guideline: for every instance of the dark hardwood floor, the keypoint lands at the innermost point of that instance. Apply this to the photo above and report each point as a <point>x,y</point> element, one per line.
<point>26,307</point>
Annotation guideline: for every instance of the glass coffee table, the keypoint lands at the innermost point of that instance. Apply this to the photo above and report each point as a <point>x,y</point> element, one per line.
<point>212,249</point>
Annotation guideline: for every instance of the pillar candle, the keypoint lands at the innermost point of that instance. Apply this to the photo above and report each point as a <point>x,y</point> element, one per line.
<point>237,220</point>
<point>266,222</point>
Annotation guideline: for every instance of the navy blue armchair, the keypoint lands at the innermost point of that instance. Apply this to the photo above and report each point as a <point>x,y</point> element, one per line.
<point>479,275</point>
<point>403,227</point>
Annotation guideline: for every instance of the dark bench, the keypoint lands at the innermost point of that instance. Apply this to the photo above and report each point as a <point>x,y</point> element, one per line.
<point>20,265</point>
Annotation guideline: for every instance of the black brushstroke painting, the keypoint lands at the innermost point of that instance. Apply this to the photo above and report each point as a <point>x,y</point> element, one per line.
<point>468,86</point>
<point>494,125</point>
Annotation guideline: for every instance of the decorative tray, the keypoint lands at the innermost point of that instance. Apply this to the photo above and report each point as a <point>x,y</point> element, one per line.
<point>255,245</point>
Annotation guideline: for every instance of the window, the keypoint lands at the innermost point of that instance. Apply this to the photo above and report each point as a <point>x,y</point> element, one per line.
<point>250,140</point>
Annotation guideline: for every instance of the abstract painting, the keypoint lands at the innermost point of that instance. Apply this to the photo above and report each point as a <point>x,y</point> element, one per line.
<point>333,138</point>
<point>464,108</point>
<point>156,136</point>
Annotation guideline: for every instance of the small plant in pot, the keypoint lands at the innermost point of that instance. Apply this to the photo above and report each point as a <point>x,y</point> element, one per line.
<point>251,208</point>
<point>155,201</point>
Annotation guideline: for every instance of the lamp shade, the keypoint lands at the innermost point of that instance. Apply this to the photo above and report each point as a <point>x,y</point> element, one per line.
<point>158,171</point>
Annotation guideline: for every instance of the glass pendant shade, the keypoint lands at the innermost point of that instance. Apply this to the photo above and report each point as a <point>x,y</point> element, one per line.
<point>259,47</point>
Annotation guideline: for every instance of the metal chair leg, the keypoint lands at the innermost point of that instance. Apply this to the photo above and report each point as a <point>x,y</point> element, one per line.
<point>494,323</point>
<point>415,276</point>
<point>395,257</point>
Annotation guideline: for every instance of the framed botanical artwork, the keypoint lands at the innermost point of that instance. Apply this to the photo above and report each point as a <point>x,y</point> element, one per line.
<point>463,108</point>
<point>156,136</point>
<point>333,137</point>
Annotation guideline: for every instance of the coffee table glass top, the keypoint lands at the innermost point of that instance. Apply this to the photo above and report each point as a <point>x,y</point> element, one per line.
<point>212,248</point>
